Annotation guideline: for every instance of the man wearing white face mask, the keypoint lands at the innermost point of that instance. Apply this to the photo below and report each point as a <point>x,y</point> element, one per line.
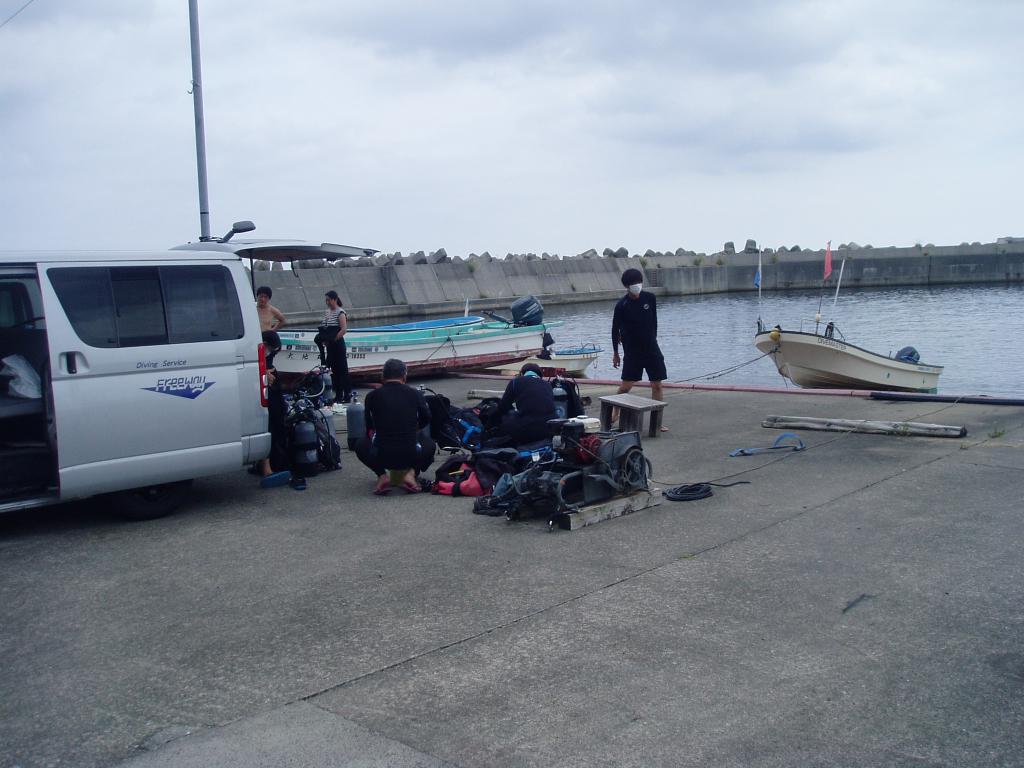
<point>635,326</point>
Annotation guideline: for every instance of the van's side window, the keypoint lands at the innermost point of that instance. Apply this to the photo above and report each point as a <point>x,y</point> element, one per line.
<point>145,306</point>
<point>85,294</point>
<point>202,304</point>
<point>138,306</point>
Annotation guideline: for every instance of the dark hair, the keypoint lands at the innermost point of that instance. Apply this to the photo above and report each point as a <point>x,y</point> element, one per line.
<point>393,369</point>
<point>632,276</point>
<point>271,339</point>
<point>530,368</point>
<point>264,290</point>
<point>333,295</point>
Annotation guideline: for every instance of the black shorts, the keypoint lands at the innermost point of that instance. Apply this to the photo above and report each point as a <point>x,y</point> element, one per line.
<point>635,363</point>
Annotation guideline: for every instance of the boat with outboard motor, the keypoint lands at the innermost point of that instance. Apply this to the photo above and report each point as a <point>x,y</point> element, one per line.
<point>465,342</point>
<point>572,361</point>
<point>828,361</point>
<point>432,346</point>
<point>821,360</point>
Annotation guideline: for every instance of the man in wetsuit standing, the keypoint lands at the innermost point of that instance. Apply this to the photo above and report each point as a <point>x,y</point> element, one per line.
<point>396,413</point>
<point>635,326</point>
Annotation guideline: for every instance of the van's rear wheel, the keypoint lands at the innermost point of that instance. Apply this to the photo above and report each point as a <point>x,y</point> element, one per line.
<point>150,502</point>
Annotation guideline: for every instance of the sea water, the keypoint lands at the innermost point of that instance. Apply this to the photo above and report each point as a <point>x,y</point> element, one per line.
<point>975,332</point>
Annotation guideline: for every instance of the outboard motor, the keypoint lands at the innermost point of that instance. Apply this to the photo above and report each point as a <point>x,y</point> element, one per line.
<point>908,355</point>
<point>527,311</point>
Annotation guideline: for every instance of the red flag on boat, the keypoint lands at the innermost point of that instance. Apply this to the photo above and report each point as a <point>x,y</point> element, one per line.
<point>828,260</point>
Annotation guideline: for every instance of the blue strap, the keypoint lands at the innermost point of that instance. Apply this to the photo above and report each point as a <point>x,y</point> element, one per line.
<point>776,446</point>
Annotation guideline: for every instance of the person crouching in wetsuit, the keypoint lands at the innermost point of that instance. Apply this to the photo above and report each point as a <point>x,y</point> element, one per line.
<point>534,404</point>
<point>396,413</point>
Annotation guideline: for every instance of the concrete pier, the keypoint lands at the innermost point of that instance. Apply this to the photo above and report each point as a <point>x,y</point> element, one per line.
<point>857,603</point>
<point>395,289</point>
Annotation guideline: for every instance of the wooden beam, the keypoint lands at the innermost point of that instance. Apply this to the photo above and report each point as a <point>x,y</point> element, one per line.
<point>898,428</point>
<point>606,510</point>
<point>483,394</point>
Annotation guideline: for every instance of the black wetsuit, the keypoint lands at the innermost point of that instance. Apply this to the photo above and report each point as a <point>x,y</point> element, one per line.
<point>396,413</point>
<point>276,412</point>
<point>534,405</point>
<point>635,324</point>
<point>334,353</point>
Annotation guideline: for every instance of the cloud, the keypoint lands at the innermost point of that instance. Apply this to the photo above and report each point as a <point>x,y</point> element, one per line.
<point>508,125</point>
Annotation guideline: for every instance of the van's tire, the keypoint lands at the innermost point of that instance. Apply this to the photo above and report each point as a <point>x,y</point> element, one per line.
<point>150,502</point>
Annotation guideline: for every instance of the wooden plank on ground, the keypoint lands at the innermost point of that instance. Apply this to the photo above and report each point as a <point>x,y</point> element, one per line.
<point>483,394</point>
<point>606,510</point>
<point>899,428</point>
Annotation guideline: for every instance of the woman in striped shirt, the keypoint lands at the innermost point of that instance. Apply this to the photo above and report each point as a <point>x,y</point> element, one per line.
<point>332,336</point>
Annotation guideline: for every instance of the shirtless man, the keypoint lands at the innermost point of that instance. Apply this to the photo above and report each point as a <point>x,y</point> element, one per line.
<point>271,318</point>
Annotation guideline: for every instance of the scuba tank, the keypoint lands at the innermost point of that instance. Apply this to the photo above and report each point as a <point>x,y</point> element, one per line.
<point>561,400</point>
<point>305,462</point>
<point>328,380</point>
<point>355,419</point>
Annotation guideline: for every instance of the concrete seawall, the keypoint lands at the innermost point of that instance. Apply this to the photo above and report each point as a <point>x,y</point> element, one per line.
<point>389,288</point>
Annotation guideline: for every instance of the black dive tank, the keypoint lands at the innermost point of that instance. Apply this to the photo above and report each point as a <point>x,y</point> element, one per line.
<point>908,355</point>
<point>355,422</point>
<point>527,311</point>
<point>305,462</point>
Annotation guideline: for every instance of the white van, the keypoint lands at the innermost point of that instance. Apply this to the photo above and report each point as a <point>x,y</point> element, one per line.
<point>150,373</point>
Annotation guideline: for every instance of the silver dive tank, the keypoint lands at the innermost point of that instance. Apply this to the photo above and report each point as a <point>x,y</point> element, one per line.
<point>561,401</point>
<point>328,380</point>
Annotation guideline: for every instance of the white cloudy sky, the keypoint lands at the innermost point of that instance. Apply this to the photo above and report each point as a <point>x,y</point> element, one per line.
<point>515,125</point>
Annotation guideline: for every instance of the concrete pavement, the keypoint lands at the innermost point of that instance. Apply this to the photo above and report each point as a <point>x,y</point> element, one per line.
<point>856,604</point>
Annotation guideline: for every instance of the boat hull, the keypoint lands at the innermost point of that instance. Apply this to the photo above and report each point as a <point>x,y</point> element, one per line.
<point>810,360</point>
<point>456,348</point>
<point>572,364</point>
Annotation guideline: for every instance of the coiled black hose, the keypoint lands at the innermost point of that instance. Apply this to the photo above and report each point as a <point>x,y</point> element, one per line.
<point>695,491</point>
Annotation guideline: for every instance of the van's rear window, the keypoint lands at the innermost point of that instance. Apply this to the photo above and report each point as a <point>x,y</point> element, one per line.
<point>146,306</point>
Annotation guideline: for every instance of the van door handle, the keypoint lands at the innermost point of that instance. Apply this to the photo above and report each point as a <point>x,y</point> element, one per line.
<point>69,362</point>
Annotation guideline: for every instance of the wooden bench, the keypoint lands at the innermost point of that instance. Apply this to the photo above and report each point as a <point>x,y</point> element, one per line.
<point>631,413</point>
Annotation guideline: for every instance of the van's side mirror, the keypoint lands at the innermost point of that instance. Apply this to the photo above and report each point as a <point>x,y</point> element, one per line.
<point>237,228</point>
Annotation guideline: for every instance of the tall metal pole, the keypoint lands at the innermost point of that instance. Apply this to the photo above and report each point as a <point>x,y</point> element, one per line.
<point>197,104</point>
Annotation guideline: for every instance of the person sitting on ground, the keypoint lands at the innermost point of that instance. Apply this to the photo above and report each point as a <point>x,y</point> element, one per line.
<point>274,469</point>
<point>271,318</point>
<point>525,408</point>
<point>396,413</point>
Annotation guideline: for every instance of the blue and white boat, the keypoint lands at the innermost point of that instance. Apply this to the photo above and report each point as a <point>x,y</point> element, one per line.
<point>426,347</point>
<point>464,342</point>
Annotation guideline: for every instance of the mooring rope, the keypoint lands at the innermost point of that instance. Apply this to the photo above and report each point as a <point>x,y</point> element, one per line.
<point>723,372</point>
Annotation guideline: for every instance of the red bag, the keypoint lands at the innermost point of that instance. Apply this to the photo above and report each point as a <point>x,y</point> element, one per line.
<point>468,486</point>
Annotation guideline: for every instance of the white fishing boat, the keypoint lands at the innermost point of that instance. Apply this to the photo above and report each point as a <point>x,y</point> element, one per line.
<point>828,361</point>
<point>432,346</point>
<point>574,361</point>
<point>821,360</point>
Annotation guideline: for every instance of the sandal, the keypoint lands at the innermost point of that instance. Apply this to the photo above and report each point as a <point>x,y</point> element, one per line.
<point>276,480</point>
